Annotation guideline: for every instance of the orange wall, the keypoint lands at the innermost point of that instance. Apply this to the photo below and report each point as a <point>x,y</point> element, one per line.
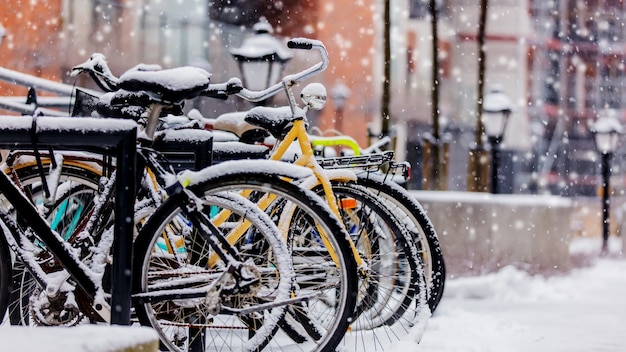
<point>347,29</point>
<point>32,44</point>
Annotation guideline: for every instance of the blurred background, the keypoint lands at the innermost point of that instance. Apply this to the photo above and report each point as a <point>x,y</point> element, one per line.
<point>560,62</point>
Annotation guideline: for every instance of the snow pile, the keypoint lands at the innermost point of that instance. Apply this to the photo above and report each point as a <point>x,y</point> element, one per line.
<point>511,310</point>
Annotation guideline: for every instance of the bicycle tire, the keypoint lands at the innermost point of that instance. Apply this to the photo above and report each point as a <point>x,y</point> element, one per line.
<point>75,180</point>
<point>5,276</point>
<point>412,214</point>
<point>398,287</point>
<point>236,181</point>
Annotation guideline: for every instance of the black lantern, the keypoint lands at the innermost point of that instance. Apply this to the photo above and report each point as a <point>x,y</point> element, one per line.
<point>606,132</point>
<point>261,57</point>
<point>496,112</point>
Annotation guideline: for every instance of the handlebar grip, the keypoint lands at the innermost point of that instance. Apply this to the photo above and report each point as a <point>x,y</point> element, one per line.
<point>300,43</point>
<point>233,86</point>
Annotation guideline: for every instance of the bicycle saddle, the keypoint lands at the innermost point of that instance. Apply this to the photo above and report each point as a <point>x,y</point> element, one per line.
<point>170,86</point>
<point>277,121</point>
<point>132,105</point>
<point>235,122</point>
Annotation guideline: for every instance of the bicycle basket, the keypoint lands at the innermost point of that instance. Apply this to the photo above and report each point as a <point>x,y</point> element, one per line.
<point>84,103</point>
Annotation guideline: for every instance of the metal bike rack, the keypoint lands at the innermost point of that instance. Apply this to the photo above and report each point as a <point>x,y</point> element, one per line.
<point>64,94</point>
<point>114,137</point>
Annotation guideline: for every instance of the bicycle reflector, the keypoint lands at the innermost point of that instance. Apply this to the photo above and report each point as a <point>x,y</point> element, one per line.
<point>347,203</point>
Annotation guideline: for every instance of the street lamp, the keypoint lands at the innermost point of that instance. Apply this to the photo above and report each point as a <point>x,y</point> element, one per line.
<point>606,131</point>
<point>261,57</point>
<point>340,94</point>
<point>496,112</point>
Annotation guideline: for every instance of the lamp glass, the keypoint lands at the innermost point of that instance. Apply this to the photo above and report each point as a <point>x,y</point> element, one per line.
<point>255,74</point>
<point>606,142</point>
<point>276,67</point>
<point>495,123</point>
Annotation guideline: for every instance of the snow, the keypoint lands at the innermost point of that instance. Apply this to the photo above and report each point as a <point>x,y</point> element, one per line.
<point>314,95</point>
<point>67,124</point>
<point>607,123</point>
<point>261,45</point>
<point>496,101</point>
<point>178,78</point>
<point>84,338</point>
<point>488,198</point>
<point>583,310</point>
<point>186,135</point>
<point>191,178</point>
<point>513,311</point>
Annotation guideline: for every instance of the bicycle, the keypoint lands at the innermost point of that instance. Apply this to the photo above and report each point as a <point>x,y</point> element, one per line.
<point>314,213</point>
<point>374,169</point>
<point>403,205</point>
<point>32,240</point>
<point>379,174</point>
<point>411,288</point>
<point>288,125</point>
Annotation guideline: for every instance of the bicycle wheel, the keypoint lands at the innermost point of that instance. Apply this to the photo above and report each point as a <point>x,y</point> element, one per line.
<point>5,276</point>
<point>392,292</point>
<point>76,191</point>
<point>410,212</point>
<point>338,286</point>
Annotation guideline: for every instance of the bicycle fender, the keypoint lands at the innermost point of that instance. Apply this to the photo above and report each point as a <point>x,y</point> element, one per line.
<point>341,175</point>
<point>190,178</point>
<point>336,141</point>
<point>337,175</point>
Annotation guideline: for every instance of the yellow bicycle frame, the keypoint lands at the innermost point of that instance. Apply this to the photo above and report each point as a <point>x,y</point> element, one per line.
<point>298,132</point>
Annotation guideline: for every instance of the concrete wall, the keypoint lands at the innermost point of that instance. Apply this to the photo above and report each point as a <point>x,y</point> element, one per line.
<point>482,232</point>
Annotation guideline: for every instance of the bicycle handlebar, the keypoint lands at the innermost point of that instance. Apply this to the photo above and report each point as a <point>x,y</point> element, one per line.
<point>298,43</point>
<point>293,79</point>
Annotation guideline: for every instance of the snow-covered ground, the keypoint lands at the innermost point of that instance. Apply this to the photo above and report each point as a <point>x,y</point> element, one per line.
<point>509,311</point>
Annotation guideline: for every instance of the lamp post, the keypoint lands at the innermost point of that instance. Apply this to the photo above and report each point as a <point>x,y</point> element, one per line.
<point>496,112</point>
<point>261,58</point>
<point>340,94</point>
<point>606,131</point>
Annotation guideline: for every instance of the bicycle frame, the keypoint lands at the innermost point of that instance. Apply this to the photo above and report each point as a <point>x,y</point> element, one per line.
<point>60,248</point>
<point>155,179</point>
<point>298,132</point>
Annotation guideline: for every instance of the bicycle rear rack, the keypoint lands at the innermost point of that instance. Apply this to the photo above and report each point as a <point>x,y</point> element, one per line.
<point>367,161</point>
<point>382,162</point>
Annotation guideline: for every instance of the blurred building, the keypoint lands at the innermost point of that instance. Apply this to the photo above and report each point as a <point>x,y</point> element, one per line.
<point>559,61</point>
<point>577,70</point>
<point>32,42</point>
<point>507,33</point>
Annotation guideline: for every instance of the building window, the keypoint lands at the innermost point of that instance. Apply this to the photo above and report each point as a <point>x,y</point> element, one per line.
<point>419,9</point>
<point>236,12</point>
<point>612,82</point>
<point>105,15</point>
<point>551,83</point>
